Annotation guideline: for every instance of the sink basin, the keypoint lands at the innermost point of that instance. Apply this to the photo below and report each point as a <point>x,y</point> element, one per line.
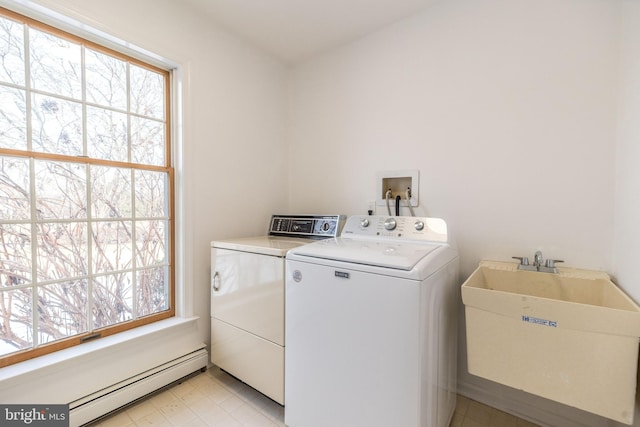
<point>571,337</point>
<point>563,297</point>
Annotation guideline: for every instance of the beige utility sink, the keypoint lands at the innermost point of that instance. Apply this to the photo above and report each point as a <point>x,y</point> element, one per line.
<point>570,336</point>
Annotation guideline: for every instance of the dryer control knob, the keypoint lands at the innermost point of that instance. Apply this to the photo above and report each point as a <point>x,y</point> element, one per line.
<point>390,224</point>
<point>419,225</point>
<point>364,222</point>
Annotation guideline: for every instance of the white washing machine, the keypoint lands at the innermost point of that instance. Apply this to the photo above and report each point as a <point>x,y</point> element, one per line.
<point>371,326</point>
<point>247,299</point>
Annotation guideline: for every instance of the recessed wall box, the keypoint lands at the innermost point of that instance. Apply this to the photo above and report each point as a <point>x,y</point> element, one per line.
<point>398,182</point>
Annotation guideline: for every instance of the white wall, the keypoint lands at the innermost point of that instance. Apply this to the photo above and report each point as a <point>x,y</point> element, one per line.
<point>507,108</point>
<point>627,207</point>
<point>627,202</point>
<point>234,100</point>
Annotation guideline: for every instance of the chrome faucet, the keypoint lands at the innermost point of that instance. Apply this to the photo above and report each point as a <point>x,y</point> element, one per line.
<point>537,259</point>
<point>539,263</point>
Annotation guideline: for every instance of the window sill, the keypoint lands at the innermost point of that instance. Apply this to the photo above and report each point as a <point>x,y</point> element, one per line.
<point>33,366</point>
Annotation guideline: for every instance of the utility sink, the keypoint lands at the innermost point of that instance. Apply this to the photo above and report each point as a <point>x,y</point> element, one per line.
<point>570,336</point>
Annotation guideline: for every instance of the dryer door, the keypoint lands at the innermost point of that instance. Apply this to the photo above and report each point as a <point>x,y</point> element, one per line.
<point>247,291</point>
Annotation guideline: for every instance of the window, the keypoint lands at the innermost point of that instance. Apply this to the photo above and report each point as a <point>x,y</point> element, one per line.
<point>86,189</point>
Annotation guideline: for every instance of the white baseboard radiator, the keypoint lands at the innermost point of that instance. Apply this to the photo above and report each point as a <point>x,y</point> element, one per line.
<point>96,405</point>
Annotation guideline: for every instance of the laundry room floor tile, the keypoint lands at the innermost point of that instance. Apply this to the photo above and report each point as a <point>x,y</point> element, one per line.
<point>216,399</point>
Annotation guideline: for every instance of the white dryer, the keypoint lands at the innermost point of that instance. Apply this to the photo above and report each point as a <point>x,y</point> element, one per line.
<point>247,299</point>
<point>371,326</point>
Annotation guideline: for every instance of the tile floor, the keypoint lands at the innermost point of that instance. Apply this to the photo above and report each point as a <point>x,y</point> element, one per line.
<point>216,399</point>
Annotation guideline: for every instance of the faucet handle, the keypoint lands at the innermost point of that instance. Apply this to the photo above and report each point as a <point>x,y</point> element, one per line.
<point>551,263</point>
<point>523,259</point>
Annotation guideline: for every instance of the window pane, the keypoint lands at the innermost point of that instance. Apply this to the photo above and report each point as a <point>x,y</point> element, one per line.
<point>13,119</point>
<point>62,310</point>
<point>85,199</point>
<point>61,191</point>
<point>151,243</point>
<point>110,192</point>
<point>56,126</point>
<point>147,93</point>
<point>112,246</point>
<point>55,64</point>
<point>153,291</point>
<point>16,317</point>
<point>112,296</point>
<point>15,202</point>
<point>106,80</point>
<point>147,141</point>
<point>151,199</point>
<point>107,135</point>
<point>62,250</point>
<point>15,254</point>
<point>12,69</point>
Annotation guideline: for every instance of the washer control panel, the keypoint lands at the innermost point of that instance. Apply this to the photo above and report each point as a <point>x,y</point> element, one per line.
<point>309,226</point>
<point>396,227</point>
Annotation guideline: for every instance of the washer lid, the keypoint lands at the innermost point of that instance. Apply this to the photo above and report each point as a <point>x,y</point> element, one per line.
<point>379,253</point>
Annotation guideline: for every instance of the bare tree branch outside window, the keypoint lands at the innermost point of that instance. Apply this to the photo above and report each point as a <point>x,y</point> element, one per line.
<point>85,188</point>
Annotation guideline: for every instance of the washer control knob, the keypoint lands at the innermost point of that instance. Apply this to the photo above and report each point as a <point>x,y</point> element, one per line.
<point>364,222</point>
<point>419,225</point>
<point>390,224</point>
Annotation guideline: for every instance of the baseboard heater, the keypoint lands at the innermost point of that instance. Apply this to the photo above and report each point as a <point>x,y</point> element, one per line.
<point>100,403</point>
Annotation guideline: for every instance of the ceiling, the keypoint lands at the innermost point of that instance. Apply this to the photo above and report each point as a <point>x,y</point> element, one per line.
<point>294,30</point>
